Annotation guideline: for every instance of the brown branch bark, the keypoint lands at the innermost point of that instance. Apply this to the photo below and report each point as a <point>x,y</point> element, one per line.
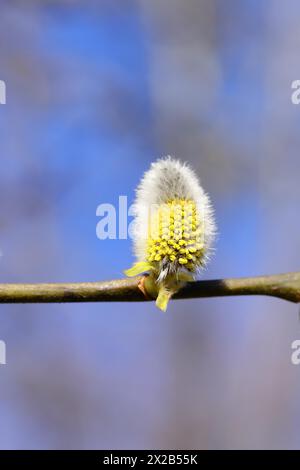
<point>284,286</point>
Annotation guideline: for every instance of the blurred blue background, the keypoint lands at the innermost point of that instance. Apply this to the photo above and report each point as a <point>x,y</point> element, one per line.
<point>95,92</point>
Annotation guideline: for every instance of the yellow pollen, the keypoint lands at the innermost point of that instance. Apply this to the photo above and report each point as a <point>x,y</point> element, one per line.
<point>175,234</point>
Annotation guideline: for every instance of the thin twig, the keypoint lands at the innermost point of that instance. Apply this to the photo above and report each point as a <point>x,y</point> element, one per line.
<point>284,286</point>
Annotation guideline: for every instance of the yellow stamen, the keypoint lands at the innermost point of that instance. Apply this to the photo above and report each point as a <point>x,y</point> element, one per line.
<point>174,226</point>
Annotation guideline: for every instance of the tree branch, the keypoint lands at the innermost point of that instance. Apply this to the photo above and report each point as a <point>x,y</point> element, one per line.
<point>284,286</point>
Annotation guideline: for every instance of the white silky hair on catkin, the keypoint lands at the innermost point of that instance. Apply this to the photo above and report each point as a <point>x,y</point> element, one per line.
<point>169,179</point>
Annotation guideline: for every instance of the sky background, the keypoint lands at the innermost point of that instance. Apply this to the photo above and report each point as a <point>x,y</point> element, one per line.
<point>95,92</point>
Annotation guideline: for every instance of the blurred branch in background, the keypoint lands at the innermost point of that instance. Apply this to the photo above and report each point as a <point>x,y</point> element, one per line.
<point>284,286</point>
